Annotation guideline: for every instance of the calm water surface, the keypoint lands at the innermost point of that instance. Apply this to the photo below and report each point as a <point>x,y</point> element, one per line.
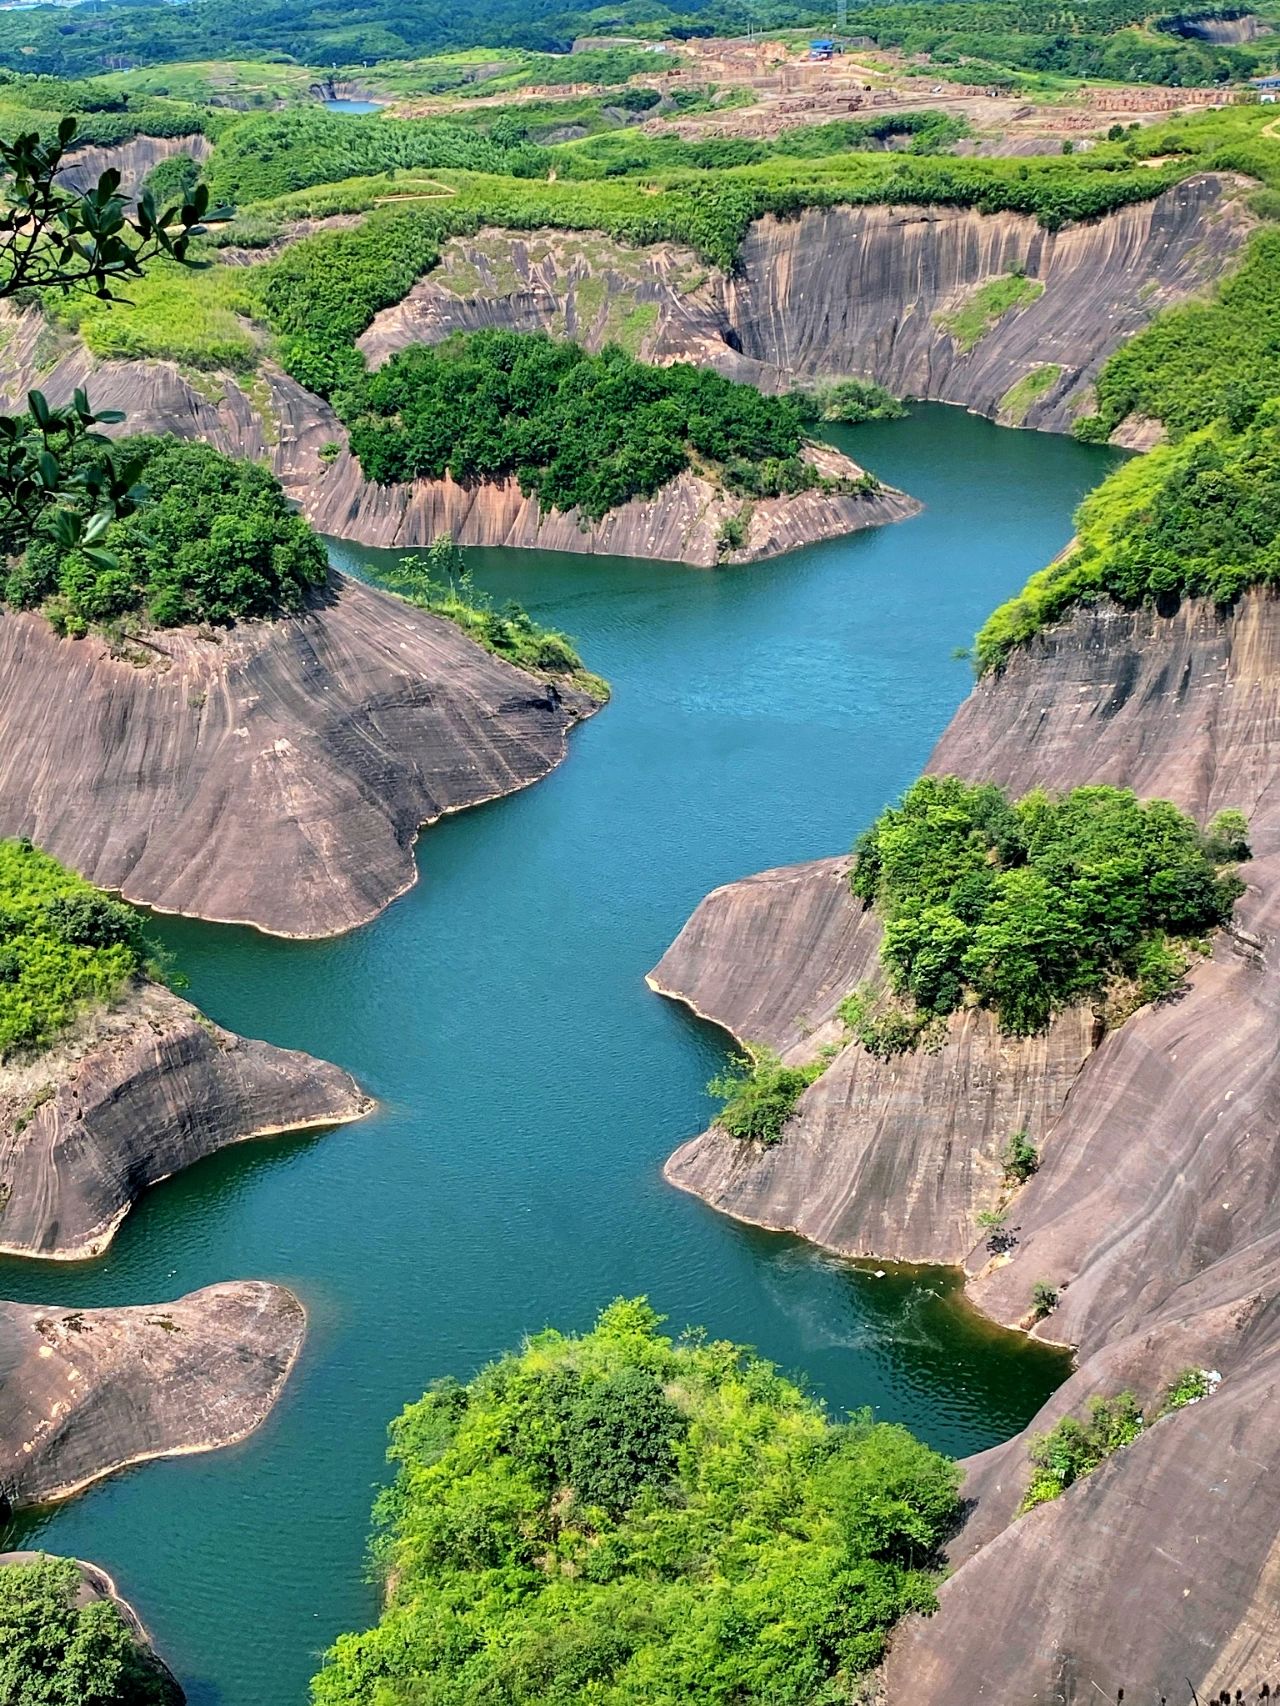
<point>530,1086</point>
<point>338,105</point>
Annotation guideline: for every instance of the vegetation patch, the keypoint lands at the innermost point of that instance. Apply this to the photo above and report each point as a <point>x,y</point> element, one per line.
<point>1195,519</point>
<point>579,431</point>
<point>170,314</point>
<point>759,1094</point>
<point>54,1650</point>
<point>438,580</point>
<point>1073,1448</point>
<point>207,539</point>
<point>1017,402</point>
<point>621,1518</point>
<point>1028,907</point>
<point>986,307</point>
<point>849,401</point>
<point>64,946</point>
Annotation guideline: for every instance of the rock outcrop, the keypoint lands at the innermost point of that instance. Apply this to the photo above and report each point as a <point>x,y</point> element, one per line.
<point>275,774</point>
<point>131,1094</point>
<point>96,1584</point>
<point>863,290</point>
<point>133,160</point>
<point>86,1392</point>
<point>681,524</point>
<point>1156,1207</point>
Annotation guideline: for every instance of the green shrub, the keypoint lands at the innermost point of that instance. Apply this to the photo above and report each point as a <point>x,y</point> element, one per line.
<point>1189,1387</point>
<point>1032,906</point>
<point>53,1650</point>
<point>1073,1448</point>
<point>170,181</point>
<point>760,1094</point>
<point>1044,1299</point>
<point>1019,1159</point>
<point>439,581</point>
<point>617,1517</point>
<point>64,946</point>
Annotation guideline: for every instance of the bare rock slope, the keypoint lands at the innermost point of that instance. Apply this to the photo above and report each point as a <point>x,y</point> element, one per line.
<point>1156,1207</point>
<point>866,290</point>
<point>274,775</point>
<point>130,1095</point>
<point>86,1392</point>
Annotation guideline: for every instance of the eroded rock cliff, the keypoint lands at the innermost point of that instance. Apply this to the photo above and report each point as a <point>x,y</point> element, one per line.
<point>275,774</point>
<point>866,291</point>
<point>87,1392</point>
<point>132,1094</point>
<point>1155,1210</point>
<point>681,524</point>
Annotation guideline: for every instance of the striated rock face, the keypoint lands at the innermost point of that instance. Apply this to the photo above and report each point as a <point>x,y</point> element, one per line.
<point>85,1393</point>
<point>279,424</point>
<point>131,1095</point>
<point>850,291</point>
<point>1156,1207</point>
<point>276,774</point>
<point>96,1584</point>
<point>856,290</point>
<point>889,1158</point>
<point>133,160</point>
<point>681,524</point>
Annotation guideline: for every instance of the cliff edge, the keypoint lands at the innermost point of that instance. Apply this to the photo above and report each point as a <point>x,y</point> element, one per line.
<point>131,1094</point>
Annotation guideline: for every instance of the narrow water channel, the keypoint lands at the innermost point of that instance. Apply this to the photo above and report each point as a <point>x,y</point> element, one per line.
<point>530,1086</point>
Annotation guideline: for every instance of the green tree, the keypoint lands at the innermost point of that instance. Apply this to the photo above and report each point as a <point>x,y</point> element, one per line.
<point>57,1652</point>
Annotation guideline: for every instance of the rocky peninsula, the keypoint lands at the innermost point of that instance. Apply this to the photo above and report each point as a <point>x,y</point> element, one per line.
<point>132,1093</point>
<point>1153,1210</point>
<point>86,1392</point>
<point>274,774</point>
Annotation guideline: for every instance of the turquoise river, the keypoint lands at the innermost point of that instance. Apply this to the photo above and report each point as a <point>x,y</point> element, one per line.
<point>529,1085</point>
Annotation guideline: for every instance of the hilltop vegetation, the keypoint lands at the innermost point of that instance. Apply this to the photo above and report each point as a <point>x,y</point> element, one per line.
<point>210,539</point>
<point>1198,519</point>
<point>632,1520</point>
<point>1030,906</point>
<point>64,946</point>
<point>579,431</point>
